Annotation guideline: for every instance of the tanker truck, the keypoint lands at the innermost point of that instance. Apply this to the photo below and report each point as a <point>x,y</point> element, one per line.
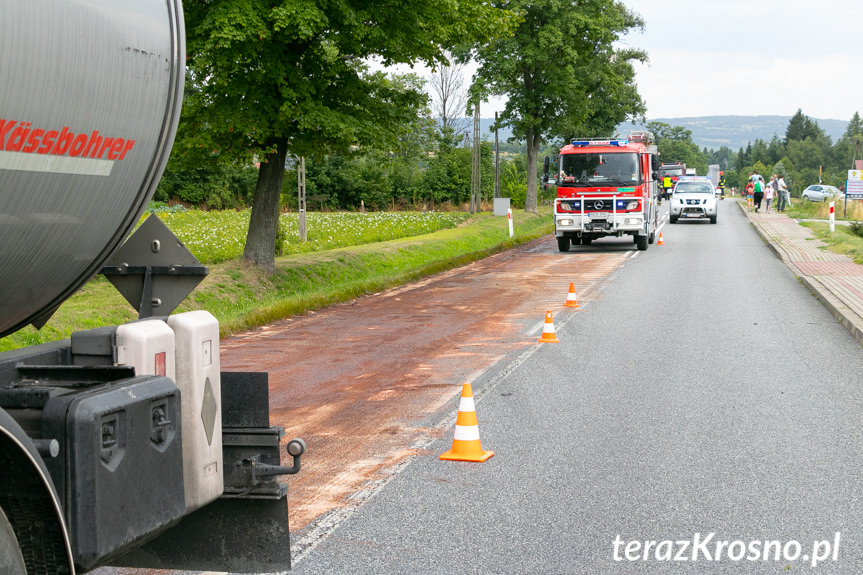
<point>122,445</point>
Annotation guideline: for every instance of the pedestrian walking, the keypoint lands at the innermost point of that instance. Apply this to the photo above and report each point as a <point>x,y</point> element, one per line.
<point>749,199</point>
<point>757,194</point>
<point>769,192</point>
<point>782,194</point>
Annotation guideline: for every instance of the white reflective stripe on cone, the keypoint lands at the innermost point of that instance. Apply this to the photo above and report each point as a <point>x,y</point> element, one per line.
<point>463,433</point>
<point>466,404</point>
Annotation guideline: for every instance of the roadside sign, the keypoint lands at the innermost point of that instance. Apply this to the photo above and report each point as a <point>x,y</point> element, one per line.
<point>854,185</point>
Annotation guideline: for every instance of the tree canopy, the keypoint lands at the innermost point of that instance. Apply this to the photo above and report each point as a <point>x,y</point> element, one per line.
<point>562,73</point>
<point>271,76</point>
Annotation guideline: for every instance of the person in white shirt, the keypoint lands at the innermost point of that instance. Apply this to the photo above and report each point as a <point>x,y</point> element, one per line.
<point>782,200</point>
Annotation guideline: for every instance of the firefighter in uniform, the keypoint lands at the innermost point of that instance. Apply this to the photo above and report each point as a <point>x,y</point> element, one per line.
<point>721,185</point>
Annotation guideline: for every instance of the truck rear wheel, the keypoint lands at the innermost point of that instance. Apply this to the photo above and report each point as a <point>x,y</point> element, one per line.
<point>641,242</point>
<point>563,243</point>
<point>11,560</point>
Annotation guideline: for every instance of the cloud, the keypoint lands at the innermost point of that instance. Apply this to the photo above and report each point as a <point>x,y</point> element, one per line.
<point>749,58</point>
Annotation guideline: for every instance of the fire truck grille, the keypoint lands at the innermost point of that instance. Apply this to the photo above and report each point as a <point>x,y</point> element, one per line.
<point>598,205</point>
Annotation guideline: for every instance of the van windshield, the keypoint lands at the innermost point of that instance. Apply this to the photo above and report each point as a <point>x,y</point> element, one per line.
<point>599,169</point>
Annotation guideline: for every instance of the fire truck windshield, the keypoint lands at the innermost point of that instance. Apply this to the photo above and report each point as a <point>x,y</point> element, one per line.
<point>599,169</point>
<point>670,172</point>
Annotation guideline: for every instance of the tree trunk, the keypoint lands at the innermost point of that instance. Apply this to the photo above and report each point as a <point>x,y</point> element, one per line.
<point>533,141</point>
<point>264,223</point>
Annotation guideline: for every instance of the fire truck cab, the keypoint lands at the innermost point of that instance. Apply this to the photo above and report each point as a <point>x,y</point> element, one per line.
<point>607,188</point>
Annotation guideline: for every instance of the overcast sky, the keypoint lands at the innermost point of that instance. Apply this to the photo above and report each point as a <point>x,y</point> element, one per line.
<point>750,57</point>
<point>744,58</point>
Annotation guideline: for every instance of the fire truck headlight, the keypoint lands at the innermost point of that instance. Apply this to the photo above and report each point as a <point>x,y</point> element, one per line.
<point>627,205</point>
<point>564,222</point>
<point>633,221</point>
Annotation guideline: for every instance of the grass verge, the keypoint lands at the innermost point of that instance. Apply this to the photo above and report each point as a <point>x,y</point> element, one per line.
<point>842,241</point>
<point>243,297</point>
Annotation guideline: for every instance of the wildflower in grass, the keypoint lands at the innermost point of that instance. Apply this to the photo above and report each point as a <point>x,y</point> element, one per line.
<point>216,236</point>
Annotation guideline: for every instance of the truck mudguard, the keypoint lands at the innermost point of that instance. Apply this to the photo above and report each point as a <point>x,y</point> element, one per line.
<point>32,495</point>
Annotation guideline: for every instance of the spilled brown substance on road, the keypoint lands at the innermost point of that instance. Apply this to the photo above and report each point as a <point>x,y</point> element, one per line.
<point>366,382</point>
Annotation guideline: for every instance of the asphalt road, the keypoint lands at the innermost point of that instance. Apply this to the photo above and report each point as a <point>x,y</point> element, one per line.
<point>704,391</point>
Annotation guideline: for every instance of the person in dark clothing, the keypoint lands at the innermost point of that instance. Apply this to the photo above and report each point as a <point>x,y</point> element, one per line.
<point>758,194</point>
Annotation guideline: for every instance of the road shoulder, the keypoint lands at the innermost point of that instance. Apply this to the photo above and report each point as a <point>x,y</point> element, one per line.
<point>834,279</point>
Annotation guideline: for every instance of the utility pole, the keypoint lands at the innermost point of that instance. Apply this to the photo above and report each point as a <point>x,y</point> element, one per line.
<point>301,197</point>
<point>496,161</point>
<point>475,183</point>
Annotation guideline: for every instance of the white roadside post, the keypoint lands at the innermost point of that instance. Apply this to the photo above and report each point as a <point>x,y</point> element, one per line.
<point>509,218</point>
<point>832,218</point>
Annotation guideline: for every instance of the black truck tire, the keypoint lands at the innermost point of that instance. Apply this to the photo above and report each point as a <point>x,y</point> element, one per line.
<point>11,560</point>
<point>563,243</point>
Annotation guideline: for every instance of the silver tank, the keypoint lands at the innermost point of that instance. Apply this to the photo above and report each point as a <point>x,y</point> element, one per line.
<point>90,96</point>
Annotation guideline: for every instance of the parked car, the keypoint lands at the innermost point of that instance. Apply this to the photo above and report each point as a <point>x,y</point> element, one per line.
<point>820,192</point>
<point>693,197</point>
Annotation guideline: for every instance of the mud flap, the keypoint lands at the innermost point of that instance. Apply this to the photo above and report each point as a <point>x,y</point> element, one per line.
<point>235,535</point>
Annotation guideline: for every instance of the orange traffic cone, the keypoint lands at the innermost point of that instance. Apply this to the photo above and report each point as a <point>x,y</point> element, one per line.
<point>465,443</point>
<point>660,242</point>
<point>570,297</point>
<point>548,330</point>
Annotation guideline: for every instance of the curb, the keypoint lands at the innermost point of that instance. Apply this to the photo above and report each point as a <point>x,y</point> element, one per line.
<point>847,317</point>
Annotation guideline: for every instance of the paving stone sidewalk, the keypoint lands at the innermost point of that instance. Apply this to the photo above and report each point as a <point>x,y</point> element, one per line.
<point>834,278</point>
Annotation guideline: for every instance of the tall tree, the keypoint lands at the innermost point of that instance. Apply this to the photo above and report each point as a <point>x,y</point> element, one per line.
<point>449,96</point>
<point>675,145</point>
<point>848,147</point>
<point>272,77</point>
<point>855,126</point>
<point>801,126</point>
<point>563,73</point>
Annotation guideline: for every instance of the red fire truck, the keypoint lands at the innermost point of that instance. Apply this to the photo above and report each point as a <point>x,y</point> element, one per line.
<point>606,188</point>
<point>673,172</point>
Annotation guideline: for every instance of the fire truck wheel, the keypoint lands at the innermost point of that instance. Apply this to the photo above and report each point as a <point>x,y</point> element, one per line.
<point>641,242</point>
<point>651,237</point>
<point>11,561</point>
<point>563,243</point>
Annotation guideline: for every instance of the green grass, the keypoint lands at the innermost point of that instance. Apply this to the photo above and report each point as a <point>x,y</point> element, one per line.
<point>216,236</point>
<point>242,297</point>
<point>805,210</point>
<point>841,241</point>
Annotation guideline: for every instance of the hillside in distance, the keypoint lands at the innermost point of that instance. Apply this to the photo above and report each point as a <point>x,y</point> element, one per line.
<point>737,132</point>
<point>711,132</point>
